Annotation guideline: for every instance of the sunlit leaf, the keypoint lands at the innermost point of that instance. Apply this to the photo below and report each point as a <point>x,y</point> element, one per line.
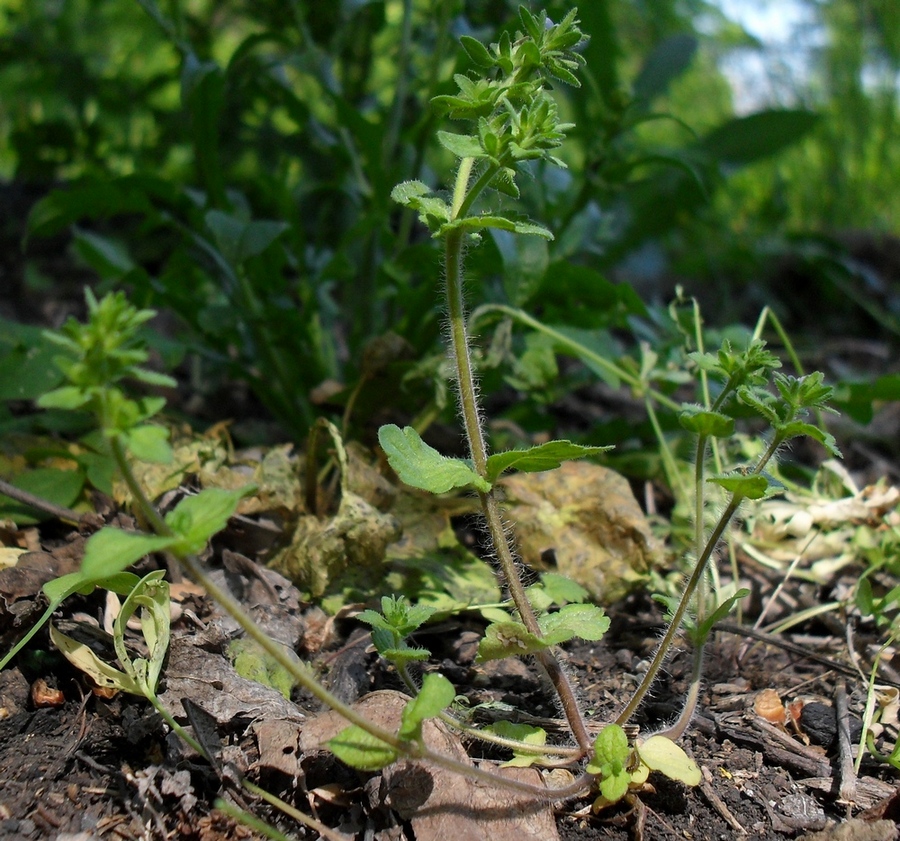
<point>421,466</point>
<point>358,749</point>
<point>526,733</point>
<point>547,456</point>
<point>662,754</point>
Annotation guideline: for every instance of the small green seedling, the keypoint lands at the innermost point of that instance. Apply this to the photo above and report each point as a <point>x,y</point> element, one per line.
<point>620,766</point>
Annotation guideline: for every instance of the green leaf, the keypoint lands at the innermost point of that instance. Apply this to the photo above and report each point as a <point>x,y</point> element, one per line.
<point>476,51</point>
<point>798,428</point>
<point>461,145</point>
<point>614,786</point>
<point>562,590</point>
<point>238,240</point>
<point>61,487</point>
<point>526,733</point>
<point>102,673</point>
<point>706,423</point>
<point>547,456</point>
<point>705,628</point>
<point>749,486</point>
<point>27,370</point>
<point>149,442</point>
<point>197,518</point>
<point>151,596</point>
<point>358,749</point>
<point>525,261</point>
<point>254,663</point>
<point>59,589</point>
<point>611,752</point>
<point>421,466</point>
<point>747,139</point>
<point>112,550</point>
<point>407,191</point>
<point>668,60</point>
<point>65,397</point>
<point>585,621</point>
<point>508,639</point>
<point>478,223</point>
<point>865,598</point>
<point>436,694</point>
<point>661,754</point>
<point>203,95</point>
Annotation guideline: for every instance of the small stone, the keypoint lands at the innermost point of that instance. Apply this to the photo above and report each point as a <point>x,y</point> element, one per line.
<point>819,723</point>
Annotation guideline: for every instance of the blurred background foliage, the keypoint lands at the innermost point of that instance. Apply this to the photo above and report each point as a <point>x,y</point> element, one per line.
<point>230,165</point>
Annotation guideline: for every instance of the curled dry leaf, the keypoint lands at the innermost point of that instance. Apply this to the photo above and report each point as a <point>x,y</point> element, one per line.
<point>769,707</point>
<point>43,695</point>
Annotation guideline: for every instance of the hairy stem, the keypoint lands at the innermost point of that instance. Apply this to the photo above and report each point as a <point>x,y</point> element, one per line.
<point>471,416</point>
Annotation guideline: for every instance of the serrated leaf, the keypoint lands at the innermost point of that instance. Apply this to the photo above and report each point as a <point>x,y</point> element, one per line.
<point>797,428</point>
<point>478,223</point>
<point>661,754</point>
<point>585,621</point>
<point>408,190</point>
<point>508,639</point>
<point>704,422</point>
<point>421,466</point>
<point>547,456</point>
<point>404,655</point>
<point>461,145</point>
<point>358,749</point>
<point>751,486</point>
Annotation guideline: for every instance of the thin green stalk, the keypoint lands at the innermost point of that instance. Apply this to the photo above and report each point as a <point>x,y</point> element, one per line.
<point>580,351</point>
<point>663,650</point>
<point>696,575</point>
<point>669,463</point>
<point>143,505</point>
<point>676,730</point>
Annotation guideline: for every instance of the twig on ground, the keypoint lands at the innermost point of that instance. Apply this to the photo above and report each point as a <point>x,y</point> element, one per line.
<point>846,771</point>
<point>29,499</point>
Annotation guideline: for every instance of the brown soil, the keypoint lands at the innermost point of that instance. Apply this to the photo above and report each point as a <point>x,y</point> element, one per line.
<point>93,767</point>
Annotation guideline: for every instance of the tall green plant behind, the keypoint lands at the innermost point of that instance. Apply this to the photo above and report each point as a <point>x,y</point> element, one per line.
<point>233,165</point>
